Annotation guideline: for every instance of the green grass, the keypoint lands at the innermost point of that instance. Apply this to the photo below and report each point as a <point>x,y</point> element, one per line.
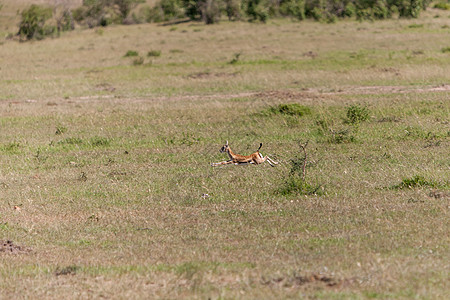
<point>106,172</point>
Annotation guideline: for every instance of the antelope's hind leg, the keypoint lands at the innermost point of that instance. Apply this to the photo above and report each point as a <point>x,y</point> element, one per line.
<point>271,161</point>
<point>221,163</point>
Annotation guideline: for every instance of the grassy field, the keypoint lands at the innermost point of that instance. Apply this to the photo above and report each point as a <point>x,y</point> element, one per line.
<point>106,188</point>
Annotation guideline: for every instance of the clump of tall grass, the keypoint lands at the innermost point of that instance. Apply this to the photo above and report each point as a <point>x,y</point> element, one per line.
<point>356,114</point>
<point>292,109</point>
<point>414,182</point>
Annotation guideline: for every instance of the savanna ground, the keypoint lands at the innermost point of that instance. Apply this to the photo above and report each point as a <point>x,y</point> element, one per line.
<point>106,188</point>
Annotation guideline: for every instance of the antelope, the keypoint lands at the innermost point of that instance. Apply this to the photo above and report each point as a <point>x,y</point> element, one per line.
<point>254,158</point>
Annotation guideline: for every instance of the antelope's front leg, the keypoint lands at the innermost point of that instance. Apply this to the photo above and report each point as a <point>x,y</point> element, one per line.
<point>221,163</point>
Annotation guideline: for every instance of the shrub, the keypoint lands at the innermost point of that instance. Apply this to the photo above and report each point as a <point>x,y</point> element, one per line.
<point>356,114</point>
<point>99,13</point>
<point>154,53</point>
<point>235,59</point>
<point>33,22</point>
<point>414,182</point>
<point>125,6</point>
<point>98,141</point>
<point>442,5</point>
<point>292,109</point>
<point>409,9</point>
<point>341,136</point>
<point>233,9</point>
<point>138,61</point>
<point>131,53</point>
<point>257,10</point>
<point>60,130</point>
<point>165,10</point>
<point>295,185</point>
<point>64,19</point>
<point>207,10</point>
<point>293,8</point>
<point>12,147</point>
<point>296,182</point>
<point>211,11</point>
<point>71,141</point>
<point>445,50</point>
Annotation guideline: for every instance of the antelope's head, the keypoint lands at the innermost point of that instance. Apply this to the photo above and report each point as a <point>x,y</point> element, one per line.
<point>224,148</point>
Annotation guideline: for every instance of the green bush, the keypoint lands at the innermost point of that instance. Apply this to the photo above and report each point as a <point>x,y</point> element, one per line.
<point>99,141</point>
<point>257,10</point>
<point>166,10</point>
<point>233,9</point>
<point>442,5</point>
<point>33,22</point>
<point>341,136</point>
<point>292,109</point>
<point>131,53</point>
<point>293,8</point>
<point>211,10</point>
<point>414,182</point>
<point>296,185</point>
<point>154,53</point>
<point>357,114</point>
<point>104,12</point>
<point>208,11</point>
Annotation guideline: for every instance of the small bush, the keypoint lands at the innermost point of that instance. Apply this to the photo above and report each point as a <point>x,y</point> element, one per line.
<point>71,141</point>
<point>131,53</point>
<point>257,10</point>
<point>292,109</point>
<point>415,26</point>
<point>341,136</point>
<point>296,185</point>
<point>12,147</point>
<point>293,8</point>
<point>442,5</point>
<point>357,114</point>
<point>60,130</point>
<point>98,141</point>
<point>33,22</point>
<point>445,50</point>
<point>235,59</point>
<point>154,53</point>
<point>233,9</point>
<point>165,10</point>
<point>70,270</point>
<point>414,182</point>
<point>211,10</point>
<point>138,61</point>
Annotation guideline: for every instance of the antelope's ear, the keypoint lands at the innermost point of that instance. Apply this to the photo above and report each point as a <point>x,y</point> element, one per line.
<point>227,143</point>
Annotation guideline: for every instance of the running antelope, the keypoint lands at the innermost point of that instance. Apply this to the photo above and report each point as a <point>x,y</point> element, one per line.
<point>254,158</point>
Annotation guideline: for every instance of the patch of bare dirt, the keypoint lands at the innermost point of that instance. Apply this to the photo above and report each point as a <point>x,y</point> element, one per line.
<point>387,89</point>
<point>305,280</point>
<point>203,75</point>
<point>106,87</point>
<point>309,93</point>
<point>287,95</point>
<point>10,247</point>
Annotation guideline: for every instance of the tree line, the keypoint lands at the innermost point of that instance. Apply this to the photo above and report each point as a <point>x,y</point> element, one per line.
<point>39,21</point>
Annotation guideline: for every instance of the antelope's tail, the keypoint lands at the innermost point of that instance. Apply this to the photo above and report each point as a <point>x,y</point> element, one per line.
<point>260,145</point>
